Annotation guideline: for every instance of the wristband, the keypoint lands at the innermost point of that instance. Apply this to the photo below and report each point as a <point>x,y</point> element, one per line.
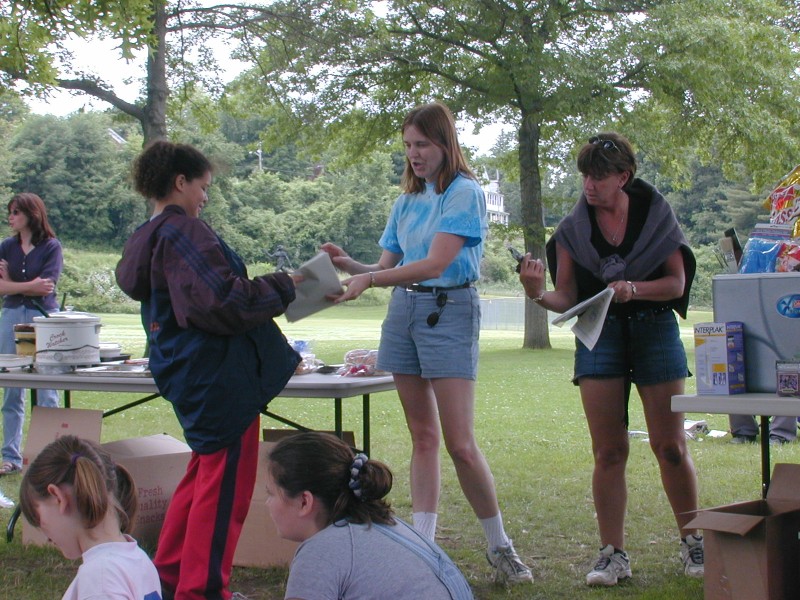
<point>372,279</point>
<point>539,297</point>
<point>633,288</point>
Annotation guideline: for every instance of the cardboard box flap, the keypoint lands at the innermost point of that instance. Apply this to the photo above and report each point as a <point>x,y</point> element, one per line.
<point>151,445</point>
<point>49,424</point>
<point>785,482</point>
<point>738,524</point>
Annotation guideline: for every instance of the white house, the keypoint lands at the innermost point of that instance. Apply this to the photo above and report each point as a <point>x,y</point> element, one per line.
<point>495,207</point>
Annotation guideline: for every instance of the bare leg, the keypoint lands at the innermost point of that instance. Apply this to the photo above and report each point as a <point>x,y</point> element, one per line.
<point>456,402</point>
<point>604,407</point>
<point>668,441</point>
<point>419,406</point>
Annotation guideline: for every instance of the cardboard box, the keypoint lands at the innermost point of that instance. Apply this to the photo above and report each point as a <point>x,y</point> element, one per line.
<point>752,550</point>
<point>260,545</point>
<point>719,358</point>
<point>157,463</point>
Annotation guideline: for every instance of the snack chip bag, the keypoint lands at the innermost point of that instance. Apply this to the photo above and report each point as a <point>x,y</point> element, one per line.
<point>784,201</point>
<point>788,258</point>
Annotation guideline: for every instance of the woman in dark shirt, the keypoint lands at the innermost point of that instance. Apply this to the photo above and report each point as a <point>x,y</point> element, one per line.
<point>30,264</point>
<point>623,235</point>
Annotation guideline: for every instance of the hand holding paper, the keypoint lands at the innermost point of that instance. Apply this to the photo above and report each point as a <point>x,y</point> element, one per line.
<point>591,315</point>
<point>319,280</point>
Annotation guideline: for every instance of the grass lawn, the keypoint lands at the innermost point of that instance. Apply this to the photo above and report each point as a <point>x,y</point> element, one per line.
<point>529,424</point>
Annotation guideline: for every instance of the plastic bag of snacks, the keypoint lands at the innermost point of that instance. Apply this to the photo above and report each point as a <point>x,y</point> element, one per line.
<point>773,247</point>
<point>784,202</point>
<point>309,362</point>
<point>360,363</point>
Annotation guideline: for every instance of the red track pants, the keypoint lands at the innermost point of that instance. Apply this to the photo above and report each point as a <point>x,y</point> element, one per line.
<point>204,520</point>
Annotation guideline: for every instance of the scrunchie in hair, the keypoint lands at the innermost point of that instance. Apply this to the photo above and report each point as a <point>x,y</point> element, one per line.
<point>355,474</point>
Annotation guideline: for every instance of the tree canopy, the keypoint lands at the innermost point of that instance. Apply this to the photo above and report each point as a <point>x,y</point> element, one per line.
<point>674,75</point>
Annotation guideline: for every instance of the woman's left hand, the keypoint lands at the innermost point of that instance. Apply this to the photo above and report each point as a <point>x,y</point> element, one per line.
<point>355,287</point>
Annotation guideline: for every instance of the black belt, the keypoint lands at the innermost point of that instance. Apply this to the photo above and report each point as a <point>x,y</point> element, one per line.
<point>415,287</point>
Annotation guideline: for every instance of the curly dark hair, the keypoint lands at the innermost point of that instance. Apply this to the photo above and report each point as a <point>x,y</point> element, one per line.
<point>156,168</point>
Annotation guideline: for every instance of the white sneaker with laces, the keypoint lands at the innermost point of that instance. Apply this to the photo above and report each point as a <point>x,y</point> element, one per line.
<point>610,567</point>
<point>508,568</point>
<point>692,556</point>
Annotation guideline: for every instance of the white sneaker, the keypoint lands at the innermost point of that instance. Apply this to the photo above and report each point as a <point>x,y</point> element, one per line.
<point>610,567</point>
<point>508,568</point>
<point>692,555</point>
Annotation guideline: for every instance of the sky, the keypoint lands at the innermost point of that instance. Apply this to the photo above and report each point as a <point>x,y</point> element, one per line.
<point>100,57</point>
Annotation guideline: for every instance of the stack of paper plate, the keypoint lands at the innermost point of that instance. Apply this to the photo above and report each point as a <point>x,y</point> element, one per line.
<point>11,361</point>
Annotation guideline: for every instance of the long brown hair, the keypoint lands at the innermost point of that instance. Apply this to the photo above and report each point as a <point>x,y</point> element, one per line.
<point>33,207</point>
<point>435,122</point>
<point>322,464</point>
<point>98,483</point>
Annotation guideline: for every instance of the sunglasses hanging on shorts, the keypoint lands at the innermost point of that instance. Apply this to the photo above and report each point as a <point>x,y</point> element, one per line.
<point>604,144</point>
<point>441,302</point>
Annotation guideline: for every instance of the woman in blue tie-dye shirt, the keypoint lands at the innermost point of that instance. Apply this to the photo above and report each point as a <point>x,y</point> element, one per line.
<point>432,246</point>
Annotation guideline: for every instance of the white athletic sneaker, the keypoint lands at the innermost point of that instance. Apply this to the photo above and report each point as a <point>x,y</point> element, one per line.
<point>508,568</point>
<point>692,555</point>
<point>610,567</point>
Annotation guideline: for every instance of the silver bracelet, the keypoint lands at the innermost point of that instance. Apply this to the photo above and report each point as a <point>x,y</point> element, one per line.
<point>539,297</point>
<point>371,279</point>
<point>633,288</point>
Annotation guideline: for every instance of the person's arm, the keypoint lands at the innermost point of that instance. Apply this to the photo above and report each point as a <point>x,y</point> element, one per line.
<point>207,294</point>
<point>532,275</point>
<point>35,287</point>
<point>443,251</point>
<point>667,287</point>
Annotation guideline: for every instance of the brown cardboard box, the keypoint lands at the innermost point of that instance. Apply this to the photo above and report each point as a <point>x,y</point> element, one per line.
<point>47,425</point>
<point>752,550</point>
<point>259,544</point>
<point>157,463</point>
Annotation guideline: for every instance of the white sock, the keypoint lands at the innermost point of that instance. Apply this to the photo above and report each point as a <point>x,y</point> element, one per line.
<point>425,523</point>
<point>495,532</point>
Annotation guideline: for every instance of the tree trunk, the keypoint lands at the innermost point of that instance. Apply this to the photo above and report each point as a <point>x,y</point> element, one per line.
<point>537,334</point>
<point>154,119</point>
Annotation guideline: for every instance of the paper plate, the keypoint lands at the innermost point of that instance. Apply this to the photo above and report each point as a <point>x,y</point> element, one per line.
<point>10,361</point>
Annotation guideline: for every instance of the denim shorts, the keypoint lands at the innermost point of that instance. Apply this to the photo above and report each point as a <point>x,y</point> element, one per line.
<point>645,345</point>
<point>449,349</point>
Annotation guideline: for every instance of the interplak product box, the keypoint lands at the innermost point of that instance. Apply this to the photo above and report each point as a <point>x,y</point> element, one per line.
<point>719,358</point>
<point>752,549</point>
<point>157,463</point>
<point>260,545</point>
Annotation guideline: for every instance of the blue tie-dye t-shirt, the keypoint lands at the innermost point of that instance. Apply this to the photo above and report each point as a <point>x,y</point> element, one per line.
<point>416,218</point>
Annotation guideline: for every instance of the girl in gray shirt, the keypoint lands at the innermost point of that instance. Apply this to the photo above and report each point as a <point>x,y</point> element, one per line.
<point>322,494</point>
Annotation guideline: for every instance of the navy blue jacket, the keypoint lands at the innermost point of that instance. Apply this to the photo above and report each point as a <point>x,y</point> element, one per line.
<point>215,351</point>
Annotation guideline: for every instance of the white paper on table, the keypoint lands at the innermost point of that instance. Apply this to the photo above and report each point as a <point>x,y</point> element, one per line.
<point>591,315</point>
<point>319,280</point>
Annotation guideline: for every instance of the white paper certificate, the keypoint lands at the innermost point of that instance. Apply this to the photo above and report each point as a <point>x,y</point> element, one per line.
<point>319,280</point>
<point>591,315</point>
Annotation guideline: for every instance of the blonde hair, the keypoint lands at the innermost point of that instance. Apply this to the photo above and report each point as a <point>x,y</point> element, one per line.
<point>98,483</point>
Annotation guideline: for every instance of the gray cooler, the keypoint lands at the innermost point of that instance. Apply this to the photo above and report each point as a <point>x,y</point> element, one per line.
<point>769,306</point>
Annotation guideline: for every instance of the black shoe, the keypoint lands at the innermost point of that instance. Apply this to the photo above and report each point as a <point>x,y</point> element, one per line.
<point>743,439</point>
<point>776,440</point>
